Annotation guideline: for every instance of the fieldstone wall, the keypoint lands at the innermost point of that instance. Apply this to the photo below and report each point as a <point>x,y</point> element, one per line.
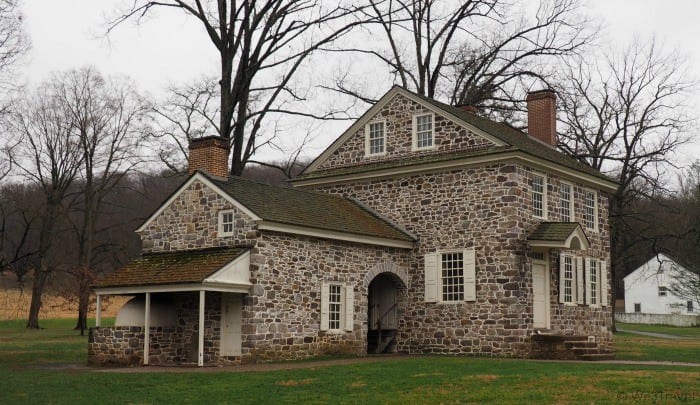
<point>398,118</point>
<point>487,208</point>
<point>282,315</point>
<point>123,345</point>
<point>191,222</point>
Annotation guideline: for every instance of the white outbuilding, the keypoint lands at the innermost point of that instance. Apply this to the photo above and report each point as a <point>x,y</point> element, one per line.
<point>655,288</point>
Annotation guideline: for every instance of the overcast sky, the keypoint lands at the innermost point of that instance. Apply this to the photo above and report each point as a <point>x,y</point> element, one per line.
<point>171,48</point>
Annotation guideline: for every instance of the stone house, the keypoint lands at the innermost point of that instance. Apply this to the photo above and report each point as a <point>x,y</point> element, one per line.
<point>424,228</point>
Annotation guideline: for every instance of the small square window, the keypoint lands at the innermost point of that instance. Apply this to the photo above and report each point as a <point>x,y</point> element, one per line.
<point>226,223</point>
<point>662,291</point>
<point>423,131</point>
<point>638,307</point>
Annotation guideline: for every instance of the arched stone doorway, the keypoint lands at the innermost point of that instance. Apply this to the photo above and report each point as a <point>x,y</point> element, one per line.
<point>385,289</point>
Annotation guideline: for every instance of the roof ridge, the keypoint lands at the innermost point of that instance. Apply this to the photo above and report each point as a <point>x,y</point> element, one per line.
<point>260,183</point>
<point>377,215</point>
<point>200,250</point>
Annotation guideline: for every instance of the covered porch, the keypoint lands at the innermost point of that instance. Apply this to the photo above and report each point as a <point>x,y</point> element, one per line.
<point>187,309</point>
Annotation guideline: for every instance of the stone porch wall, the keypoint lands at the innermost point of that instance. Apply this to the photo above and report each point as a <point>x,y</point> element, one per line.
<point>281,316</point>
<point>123,345</point>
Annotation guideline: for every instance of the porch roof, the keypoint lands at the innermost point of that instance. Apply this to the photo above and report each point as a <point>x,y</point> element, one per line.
<point>172,268</point>
<point>564,235</point>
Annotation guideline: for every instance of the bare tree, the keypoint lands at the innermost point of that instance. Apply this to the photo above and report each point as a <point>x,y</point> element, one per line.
<point>47,155</point>
<point>625,115</point>
<point>13,41</point>
<point>108,117</point>
<point>262,45</point>
<point>477,52</point>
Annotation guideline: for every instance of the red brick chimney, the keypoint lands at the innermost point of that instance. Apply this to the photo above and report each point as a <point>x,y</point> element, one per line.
<point>542,116</point>
<point>209,154</point>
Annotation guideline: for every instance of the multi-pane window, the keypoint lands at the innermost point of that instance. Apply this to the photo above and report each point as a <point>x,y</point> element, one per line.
<point>593,280</point>
<point>637,307</point>
<point>568,279</point>
<point>538,195</point>
<point>662,291</point>
<point>334,297</point>
<point>375,138</point>
<point>689,306</point>
<point>452,276</point>
<point>424,131</point>
<point>589,209</point>
<point>226,223</point>
<point>565,200</point>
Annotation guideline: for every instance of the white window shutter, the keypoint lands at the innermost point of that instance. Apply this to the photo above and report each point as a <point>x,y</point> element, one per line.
<point>561,278</point>
<point>470,275</point>
<point>579,280</point>
<point>349,308</point>
<point>325,289</point>
<point>603,282</point>
<point>587,280</point>
<point>431,277</point>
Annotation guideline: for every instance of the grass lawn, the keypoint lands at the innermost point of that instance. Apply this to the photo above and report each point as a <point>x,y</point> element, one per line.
<point>33,370</point>
<point>636,347</point>
<point>691,333</point>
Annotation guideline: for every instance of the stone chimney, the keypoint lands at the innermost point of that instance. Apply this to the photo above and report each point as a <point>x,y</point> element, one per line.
<point>541,116</point>
<point>209,154</point>
<point>468,107</point>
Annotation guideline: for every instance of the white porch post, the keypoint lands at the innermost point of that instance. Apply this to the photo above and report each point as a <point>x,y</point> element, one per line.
<point>98,312</point>
<point>200,349</point>
<point>147,330</point>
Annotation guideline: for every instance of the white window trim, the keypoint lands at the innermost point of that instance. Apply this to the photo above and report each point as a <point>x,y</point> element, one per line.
<point>433,276</point>
<point>589,286</point>
<point>572,215</point>
<point>576,280</point>
<point>414,132</point>
<point>347,307</point>
<point>544,195</point>
<point>220,230</point>
<point>595,209</point>
<point>367,145</point>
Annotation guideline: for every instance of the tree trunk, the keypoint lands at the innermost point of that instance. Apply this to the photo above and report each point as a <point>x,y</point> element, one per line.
<point>37,292</point>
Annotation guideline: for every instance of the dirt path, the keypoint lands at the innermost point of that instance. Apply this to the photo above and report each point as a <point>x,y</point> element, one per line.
<point>339,362</point>
<point>651,334</point>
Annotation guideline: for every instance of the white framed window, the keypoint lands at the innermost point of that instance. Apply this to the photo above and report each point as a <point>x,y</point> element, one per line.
<point>450,276</point>
<point>226,218</point>
<point>375,138</point>
<point>593,284</point>
<point>663,291</point>
<point>567,280</point>
<point>539,195</point>
<point>566,202</point>
<point>423,131</point>
<point>337,307</point>
<point>590,209</point>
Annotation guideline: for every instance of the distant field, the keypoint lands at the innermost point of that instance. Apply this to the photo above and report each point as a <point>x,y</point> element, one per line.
<point>47,366</point>
<point>692,333</point>
<point>636,347</point>
<point>14,304</point>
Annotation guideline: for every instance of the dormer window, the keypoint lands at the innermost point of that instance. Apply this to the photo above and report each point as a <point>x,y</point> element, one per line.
<point>225,223</point>
<point>423,131</point>
<point>375,138</point>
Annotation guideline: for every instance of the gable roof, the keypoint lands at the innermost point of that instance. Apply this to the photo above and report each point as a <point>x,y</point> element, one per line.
<point>190,266</point>
<point>290,210</point>
<point>505,138</point>
<point>284,205</point>
<point>567,235</point>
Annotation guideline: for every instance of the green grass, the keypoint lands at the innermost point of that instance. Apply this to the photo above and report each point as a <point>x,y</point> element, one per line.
<point>669,330</point>
<point>33,369</point>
